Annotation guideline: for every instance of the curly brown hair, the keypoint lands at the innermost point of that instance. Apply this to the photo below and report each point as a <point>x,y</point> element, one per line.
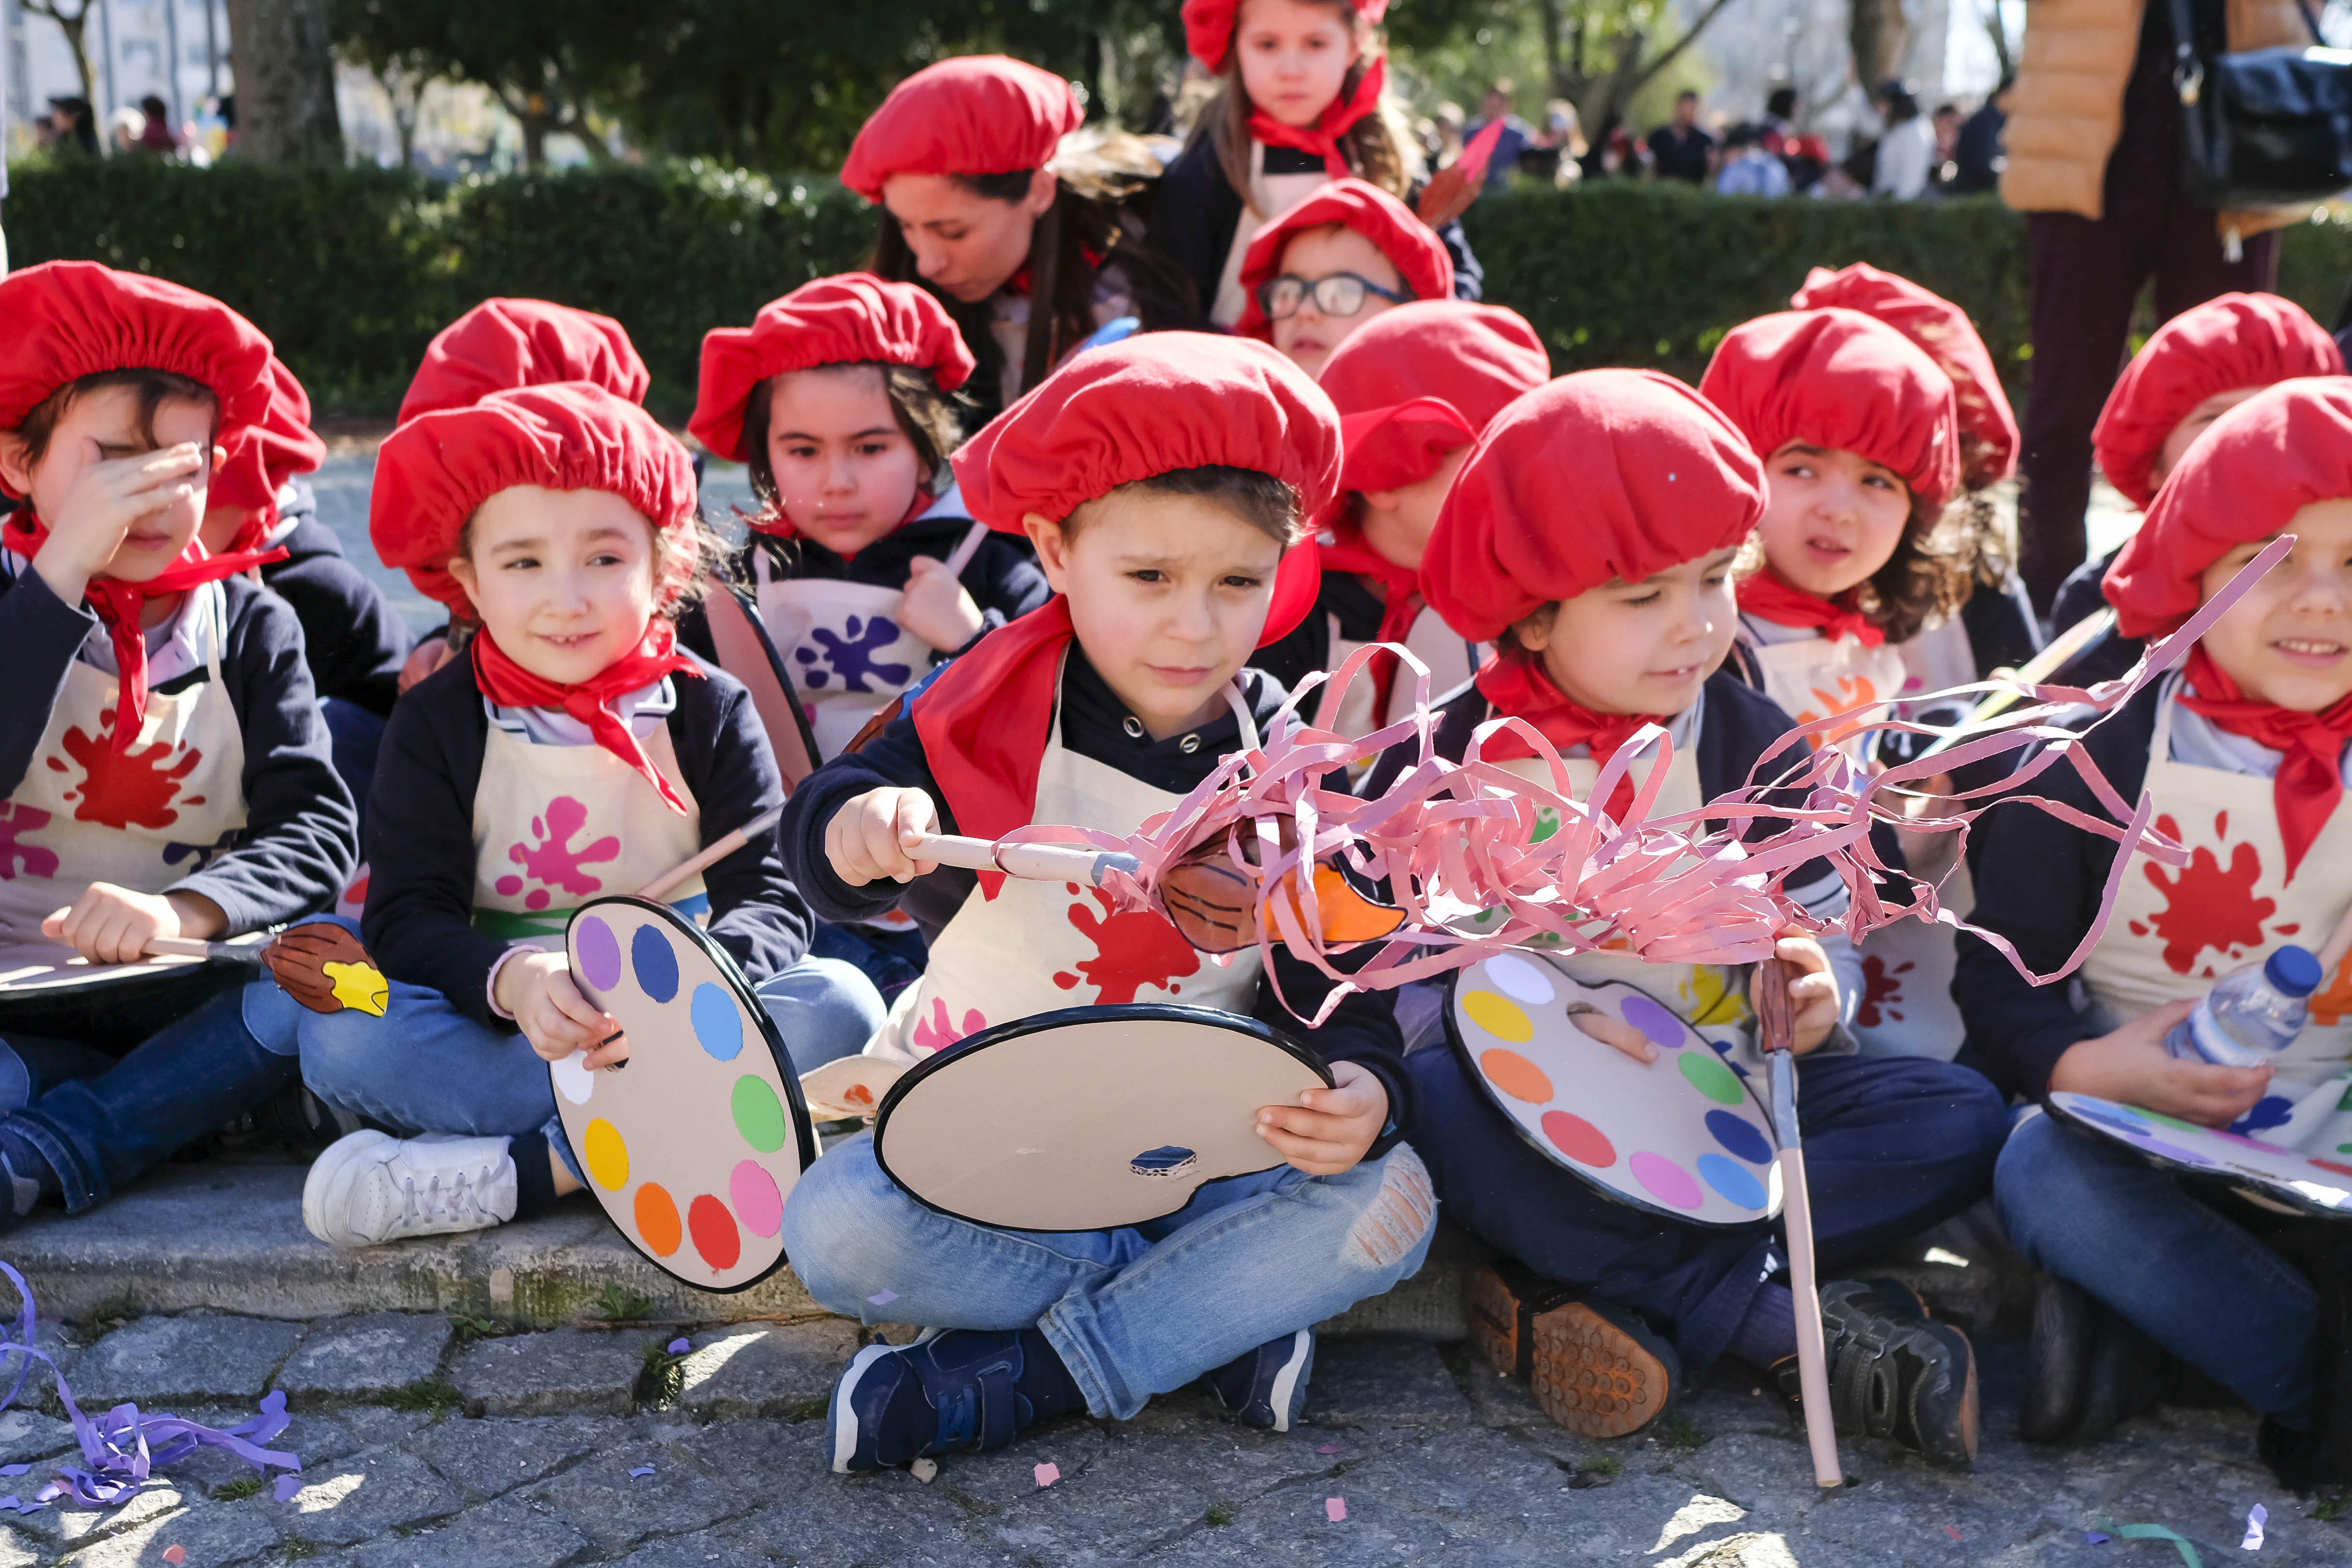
<point>1943,555</point>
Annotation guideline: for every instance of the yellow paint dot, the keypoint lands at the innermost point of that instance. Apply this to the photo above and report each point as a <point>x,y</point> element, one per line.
<point>1499,1017</point>
<point>608,1157</point>
<point>359,986</point>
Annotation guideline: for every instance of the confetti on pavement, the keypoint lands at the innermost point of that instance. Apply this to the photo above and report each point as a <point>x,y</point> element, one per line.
<point>2256,1517</point>
<point>641,1471</point>
<point>1335,1509</point>
<point>1048,1473</point>
<point>884,1299</point>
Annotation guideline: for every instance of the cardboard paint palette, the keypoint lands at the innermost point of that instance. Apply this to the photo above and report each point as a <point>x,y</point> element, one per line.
<point>1684,1136</point>
<point>694,1144</point>
<point>1089,1118</point>
<point>2305,1183</point>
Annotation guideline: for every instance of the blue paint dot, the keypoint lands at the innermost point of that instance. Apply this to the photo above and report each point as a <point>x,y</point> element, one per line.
<point>717,1023</point>
<point>1740,1137</point>
<point>1732,1180</point>
<point>656,964</point>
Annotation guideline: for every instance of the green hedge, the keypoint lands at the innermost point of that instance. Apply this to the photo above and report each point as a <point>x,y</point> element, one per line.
<point>352,271</point>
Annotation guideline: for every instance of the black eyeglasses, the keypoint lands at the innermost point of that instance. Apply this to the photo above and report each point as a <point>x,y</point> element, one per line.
<point>1338,294</point>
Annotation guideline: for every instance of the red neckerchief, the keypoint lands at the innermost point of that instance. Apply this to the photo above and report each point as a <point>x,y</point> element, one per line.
<point>985,719</point>
<point>772,521</point>
<point>2310,778</point>
<point>1401,606</point>
<point>1322,138</point>
<point>118,605</point>
<point>509,685</point>
<point>1520,689</point>
<point>1018,284</point>
<point>1766,596</point>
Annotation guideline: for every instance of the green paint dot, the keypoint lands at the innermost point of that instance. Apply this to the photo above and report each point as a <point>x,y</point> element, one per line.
<point>1710,1077</point>
<point>759,1114</point>
<point>2172,1121</point>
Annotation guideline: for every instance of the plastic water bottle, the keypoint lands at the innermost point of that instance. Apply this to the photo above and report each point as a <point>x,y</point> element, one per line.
<point>2252,1014</point>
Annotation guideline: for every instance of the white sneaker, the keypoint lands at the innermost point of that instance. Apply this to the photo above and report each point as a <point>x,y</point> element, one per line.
<point>371,1187</point>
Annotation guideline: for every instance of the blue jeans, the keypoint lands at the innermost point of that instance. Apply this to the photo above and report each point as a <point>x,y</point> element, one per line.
<point>2186,1275</point>
<point>1132,1312</point>
<point>183,1082</point>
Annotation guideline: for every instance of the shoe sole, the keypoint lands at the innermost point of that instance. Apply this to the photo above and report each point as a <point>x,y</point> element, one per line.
<point>1592,1376</point>
<point>1969,1409</point>
<point>841,1414</point>
<point>328,1182</point>
<point>1497,1323</point>
<point>1286,1382</point>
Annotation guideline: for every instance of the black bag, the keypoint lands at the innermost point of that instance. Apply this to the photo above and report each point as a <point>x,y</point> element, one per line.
<point>2264,128</point>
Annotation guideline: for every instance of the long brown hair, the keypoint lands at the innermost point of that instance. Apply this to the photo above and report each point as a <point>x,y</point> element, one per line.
<point>1378,148</point>
<point>1941,558</point>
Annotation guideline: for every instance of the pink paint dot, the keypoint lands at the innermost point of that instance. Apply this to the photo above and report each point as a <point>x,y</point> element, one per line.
<point>757,1203</point>
<point>509,885</point>
<point>537,900</point>
<point>1668,1181</point>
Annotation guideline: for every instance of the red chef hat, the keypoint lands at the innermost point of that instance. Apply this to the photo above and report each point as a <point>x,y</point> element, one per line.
<point>976,114</point>
<point>501,345</point>
<point>1988,425</point>
<point>1209,26</point>
<point>1604,475</point>
<point>2243,479</point>
<point>847,320</point>
<point>1843,381</point>
<point>266,456</point>
<point>2238,340</point>
<point>436,470</point>
<point>1414,382</point>
<point>1411,245</point>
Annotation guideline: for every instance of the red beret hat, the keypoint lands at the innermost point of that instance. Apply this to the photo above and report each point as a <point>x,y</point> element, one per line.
<point>853,318</point>
<point>1411,245</point>
<point>68,320</point>
<point>434,471</point>
<point>1988,425</point>
<point>1209,26</point>
<point>1843,381</point>
<point>976,114</point>
<point>501,345</point>
<point>266,456</point>
<point>2236,341</point>
<point>1150,404</point>
<point>1607,475</point>
<point>2243,479</point>
<point>1414,382</point>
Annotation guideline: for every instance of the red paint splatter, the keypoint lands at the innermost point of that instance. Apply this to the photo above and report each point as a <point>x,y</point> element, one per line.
<point>15,821</point>
<point>1133,949</point>
<point>553,860</point>
<point>938,1032</point>
<point>1882,989</point>
<point>2332,1166</point>
<point>122,789</point>
<point>2205,906</point>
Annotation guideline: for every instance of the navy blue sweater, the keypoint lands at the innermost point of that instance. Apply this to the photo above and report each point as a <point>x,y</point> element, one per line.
<point>356,640</point>
<point>1361,1030</point>
<point>420,835</point>
<point>301,836</point>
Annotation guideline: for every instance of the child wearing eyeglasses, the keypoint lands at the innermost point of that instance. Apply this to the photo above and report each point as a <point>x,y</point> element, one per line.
<point>1332,263</point>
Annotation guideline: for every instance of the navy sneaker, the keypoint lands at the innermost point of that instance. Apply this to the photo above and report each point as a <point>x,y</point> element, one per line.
<point>1267,1387</point>
<point>952,1388</point>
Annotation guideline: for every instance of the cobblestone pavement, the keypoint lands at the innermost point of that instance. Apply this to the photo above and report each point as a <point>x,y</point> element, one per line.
<point>423,1445</point>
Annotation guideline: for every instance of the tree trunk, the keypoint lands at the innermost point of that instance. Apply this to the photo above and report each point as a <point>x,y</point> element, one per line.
<point>76,29</point>
<point>285,80</point>
<point>1876,31</point>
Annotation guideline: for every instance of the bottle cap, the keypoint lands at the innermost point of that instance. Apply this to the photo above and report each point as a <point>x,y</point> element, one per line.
<point>2292,970</point>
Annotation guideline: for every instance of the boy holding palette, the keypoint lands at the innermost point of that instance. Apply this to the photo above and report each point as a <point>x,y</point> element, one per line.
<point>2243,751</point>
<point>1164,481</point>
<point>1590,536</point>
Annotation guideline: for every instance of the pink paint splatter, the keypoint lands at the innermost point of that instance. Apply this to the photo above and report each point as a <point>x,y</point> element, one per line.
<point>938,1032</point>
<point>15,821</point>
<point>553,860</point>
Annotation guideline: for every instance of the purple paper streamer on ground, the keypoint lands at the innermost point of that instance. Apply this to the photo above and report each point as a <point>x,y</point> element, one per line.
<point>287,1486</point>
<point>642,1470</point>
<point>14,1469</point>
<point>679,1347</point>
<point>2256,1517</point>
<point>121,1449</point>
<point>2093,1538</point>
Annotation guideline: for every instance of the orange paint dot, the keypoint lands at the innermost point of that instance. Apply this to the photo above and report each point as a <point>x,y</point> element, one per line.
<point>657,1225</point>
<point>1515,1076</point>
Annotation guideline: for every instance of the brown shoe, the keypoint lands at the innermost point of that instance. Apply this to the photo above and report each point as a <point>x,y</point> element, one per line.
<point>1595,1368</point>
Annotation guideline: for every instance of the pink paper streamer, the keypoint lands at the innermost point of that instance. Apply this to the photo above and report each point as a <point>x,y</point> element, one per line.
<point>1048,1473</point>
<point>1335,1509</point>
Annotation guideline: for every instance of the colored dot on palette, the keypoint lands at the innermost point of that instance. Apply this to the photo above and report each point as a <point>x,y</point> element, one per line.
<point>655,962</point>
<point>1740,1137</point>
<point>1733,1180</point>
<point>759,1114</point>
<point>713,1229</point>
<point>1710,1077</point>
<point>1578,1140</point>
<point>608,1156</point>
<point>1519,980</point>
<point>600,953</point>
<point>717,1025</point>
<point>657,1222</point>
<point>755,1197</point>
<point>1515,1076</point>
<point>1652,1020</point>
<point>1668,1182</point>
<point>1498,1017</point>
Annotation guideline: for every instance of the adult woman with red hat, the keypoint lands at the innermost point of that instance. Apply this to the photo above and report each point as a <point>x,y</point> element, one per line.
<point>1590,536</point>
<point>1030,252</point>
<point>1302,99</point>
<point>574,750</point>
<point>1164,481</point>
<point>165,764</point>
<point>2243,749</point>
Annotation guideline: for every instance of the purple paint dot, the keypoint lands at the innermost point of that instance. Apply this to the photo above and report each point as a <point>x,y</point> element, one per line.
<point>2174,1151</point>
<point>1668,1181</point>
<point>1654,1021</point>
<point>599,953</point>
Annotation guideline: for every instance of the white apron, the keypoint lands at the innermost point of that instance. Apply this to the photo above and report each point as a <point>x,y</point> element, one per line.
<point>1039,946</point>
<point>1813,678</point>
<point>1452,659</point>
<point>557,826</point>
<point>2175,931</point>
<point>144,818</point>
<point>1270,197</point>
<point>841,645</point>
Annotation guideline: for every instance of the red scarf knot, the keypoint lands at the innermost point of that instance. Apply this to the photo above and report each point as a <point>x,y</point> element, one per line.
<point>1766,596</point>
<point>2310,779</point>
<point>1338,117</point>
<point>1521,690</point>
<point>509,685</point>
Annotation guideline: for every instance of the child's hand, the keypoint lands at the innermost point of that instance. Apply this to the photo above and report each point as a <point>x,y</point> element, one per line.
<point>2131,1066</point>
<point>538,990</point>
<point>113,925</point>
<point>1330,1128</point>
<point>934,606</point>
<point>866,838</point>
<point>106,497</point>
<point>1812,992</point>
<point>424,660</point>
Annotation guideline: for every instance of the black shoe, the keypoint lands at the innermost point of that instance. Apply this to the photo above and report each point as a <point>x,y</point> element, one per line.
<point>2293,1454</point>
<point>1894,1372</point>
<point>2057,1363</point>
<point>1267,1387</point>
<point>295,1120</point>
